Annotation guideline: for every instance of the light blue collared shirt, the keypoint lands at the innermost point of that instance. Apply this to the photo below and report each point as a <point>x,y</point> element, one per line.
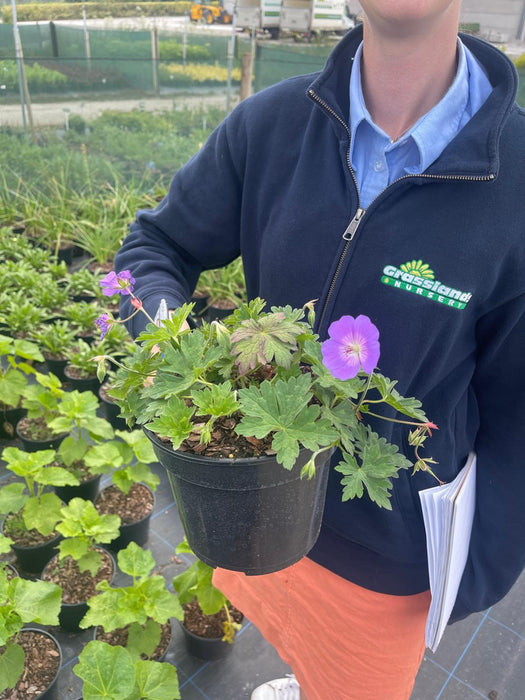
<point>377,162</point>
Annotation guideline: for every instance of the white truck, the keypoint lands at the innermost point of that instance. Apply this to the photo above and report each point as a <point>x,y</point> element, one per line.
<point>315,16</point>
<point>261,14</point>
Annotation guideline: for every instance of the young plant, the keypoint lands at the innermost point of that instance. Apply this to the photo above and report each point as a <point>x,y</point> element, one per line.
<point>77,415</point>
<point>142,607</point>
<point>57,339</point>
<point>84,283</point>
<point>111,672</point>
<point>13,370</point>
<point>196,582</point>
<point>26,503</point>
<point>81,358</point>
<point>22,601</point>
<point>129,457</point>
<point>82,315</point>
<point>83,529</point>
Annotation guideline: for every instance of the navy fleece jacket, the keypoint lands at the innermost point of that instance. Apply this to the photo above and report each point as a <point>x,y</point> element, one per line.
<point>274,184</point>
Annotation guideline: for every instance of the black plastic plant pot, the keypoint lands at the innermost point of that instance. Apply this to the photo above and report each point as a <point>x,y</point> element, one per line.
<point>81,383</point>
<point>249,515</point>
<point>199,304</point>
<point>57,367</point>
<point>87,490</point>
<point>30,445</point>
<point>132,532</point>
<point>52,690</point>
<point>206,648</point>
<point>33,559</point>
<point>9,417</point>
<point>71,614</point>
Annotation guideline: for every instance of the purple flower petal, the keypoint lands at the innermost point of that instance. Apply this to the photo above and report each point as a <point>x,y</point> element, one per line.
<point>104,323</point>
<point>117,283</point>
<point>353,345</point>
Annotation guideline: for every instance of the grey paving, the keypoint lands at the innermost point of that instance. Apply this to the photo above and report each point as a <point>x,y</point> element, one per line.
<point>481,657</point>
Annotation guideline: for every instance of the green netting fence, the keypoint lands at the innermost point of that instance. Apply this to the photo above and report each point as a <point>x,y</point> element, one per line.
<point>60,61</point>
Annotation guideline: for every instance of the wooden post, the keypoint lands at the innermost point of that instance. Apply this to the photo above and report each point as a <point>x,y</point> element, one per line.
<point>246,75</point>
<point>155,58</point>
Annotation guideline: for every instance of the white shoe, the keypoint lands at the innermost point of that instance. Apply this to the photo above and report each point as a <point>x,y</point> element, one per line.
<point>279,689</point>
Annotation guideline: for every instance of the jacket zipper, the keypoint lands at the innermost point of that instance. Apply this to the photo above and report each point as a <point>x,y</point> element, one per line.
<point>352,227</point>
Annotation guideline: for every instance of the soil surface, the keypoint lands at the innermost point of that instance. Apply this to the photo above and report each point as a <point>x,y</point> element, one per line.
<point>35,429</point>
<point>22,537</point>
<point>209,626</point>
<point>131,507</point>
<point>41,665</point>
<point>77,586</point>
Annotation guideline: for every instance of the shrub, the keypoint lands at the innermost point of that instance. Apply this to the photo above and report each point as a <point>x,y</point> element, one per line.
<point>34,12</point>
<point>196,73</point>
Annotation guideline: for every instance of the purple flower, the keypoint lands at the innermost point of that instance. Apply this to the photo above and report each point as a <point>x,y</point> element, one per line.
<point>104,323</point>
<point>353,344</point>
<point>117,283</point>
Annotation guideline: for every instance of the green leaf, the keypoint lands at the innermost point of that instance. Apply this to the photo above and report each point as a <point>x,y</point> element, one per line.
<point>12,498</point>
<point>12,666</point>
<point>269,338</point>
<point>56,476</point>
<point>135,561</point>
<point>101,458</point>
<point>283,408</point>
<point>160,604</point>
<point>377,462</point>
<point>408,406</point>
<point>216,400</point>
<point>42,514</point>
<point>175,422</point>
<point>37,601</point>
<point>140,445</point>
<point>143,639</point>
<point>104,609</point>
<point>185,584</point>
<point>157,681</point>
<point>72,450</point>
<point>107,672</point>
<point>12,386</point>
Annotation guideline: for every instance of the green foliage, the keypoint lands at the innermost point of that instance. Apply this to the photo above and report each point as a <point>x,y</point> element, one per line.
<point>31,506</point>
<point>13,371</point>
<point>21,602</point>
<point>42,11</point>
<point>39,78</point>
<point>196,582</point>
<point>128,458</point>
<point>111,672</point>
<point>84,528</point>
<point>77,414</point>
<point>145,605</point>
<point>520,62</point>
<point>264,371</point>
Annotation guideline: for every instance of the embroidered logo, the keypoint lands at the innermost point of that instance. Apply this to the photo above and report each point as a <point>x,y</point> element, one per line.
<point>417,277</point>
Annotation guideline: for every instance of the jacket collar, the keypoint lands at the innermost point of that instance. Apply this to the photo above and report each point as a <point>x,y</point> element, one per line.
<point>475,150</point>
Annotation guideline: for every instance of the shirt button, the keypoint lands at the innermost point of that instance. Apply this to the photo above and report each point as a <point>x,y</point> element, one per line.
<point>379,166</point>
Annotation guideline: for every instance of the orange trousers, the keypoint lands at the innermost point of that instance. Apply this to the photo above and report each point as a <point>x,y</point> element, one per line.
<point>342,641</point>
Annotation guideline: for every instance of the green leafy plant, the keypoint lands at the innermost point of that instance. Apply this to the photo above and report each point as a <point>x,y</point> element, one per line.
<point>56,339</point>
<point>111,672</point>
<point>127,458</point>
<point>265,383</point>
<point>83,529</point>
<point>14,371</point>
<point>27,503</point>
<point>142,607</point>
<point>81,315</point>
<point>22,601</point>
<point>81,357</point>
<point>196,582</point>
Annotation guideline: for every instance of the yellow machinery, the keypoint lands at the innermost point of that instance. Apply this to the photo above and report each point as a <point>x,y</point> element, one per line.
<point>209,13</point>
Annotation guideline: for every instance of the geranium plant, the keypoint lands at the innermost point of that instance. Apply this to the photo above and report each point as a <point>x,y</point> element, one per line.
<point>22,601</point>
<point>261,382</point>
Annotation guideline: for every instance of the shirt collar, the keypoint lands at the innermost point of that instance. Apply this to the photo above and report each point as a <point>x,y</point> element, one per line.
<point>442,120</point>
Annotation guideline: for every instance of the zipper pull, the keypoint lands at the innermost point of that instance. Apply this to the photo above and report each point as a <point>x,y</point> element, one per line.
<point>352,226</point>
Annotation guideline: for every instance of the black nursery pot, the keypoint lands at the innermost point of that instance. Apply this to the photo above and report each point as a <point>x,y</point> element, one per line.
<point>83,384</point>
<point>33,559</point>
<point>9,417</point>
<point>30,445</point>
<point>111,412</point>
<point>57,367</point>
<point>52,690</point>
<point>206,648</point>
<point>217,313</point>
<point>87,490</point>
<point>137,532</point>
<point>249,515</point>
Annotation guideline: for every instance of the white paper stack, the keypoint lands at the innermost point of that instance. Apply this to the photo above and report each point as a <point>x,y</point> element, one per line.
<point>448,512</point>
